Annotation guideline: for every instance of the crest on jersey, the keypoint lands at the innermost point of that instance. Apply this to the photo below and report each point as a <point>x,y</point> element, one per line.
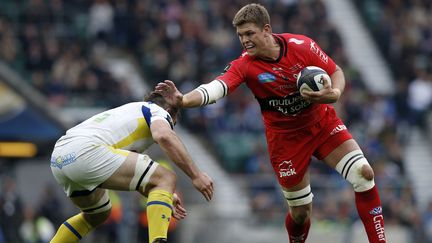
<point>376,211</point>
<point>266,78</point>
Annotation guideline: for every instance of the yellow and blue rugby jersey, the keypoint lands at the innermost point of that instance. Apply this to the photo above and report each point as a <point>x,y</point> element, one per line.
<point>125,127</point>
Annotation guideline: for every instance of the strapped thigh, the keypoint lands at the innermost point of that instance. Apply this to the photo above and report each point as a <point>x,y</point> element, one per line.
<point>104,204</point>
<point>300,197</point>
<point>350,167</point>
<point>144,169</point>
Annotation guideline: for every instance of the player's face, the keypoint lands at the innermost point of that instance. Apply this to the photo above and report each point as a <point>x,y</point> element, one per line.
<point>252,38</point>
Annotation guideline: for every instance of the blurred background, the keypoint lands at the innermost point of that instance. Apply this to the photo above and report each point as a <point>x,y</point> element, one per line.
<point>63,61</point>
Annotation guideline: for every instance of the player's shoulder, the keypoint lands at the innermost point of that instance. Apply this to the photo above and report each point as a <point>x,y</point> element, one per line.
<point>244,57</point>
<point>152,106</point>
<point>139,106</point>
<point>242,61</point>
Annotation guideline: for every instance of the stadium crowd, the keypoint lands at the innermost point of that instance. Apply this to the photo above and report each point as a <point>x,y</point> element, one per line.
<point>56,45</point>
<point>402,30</point>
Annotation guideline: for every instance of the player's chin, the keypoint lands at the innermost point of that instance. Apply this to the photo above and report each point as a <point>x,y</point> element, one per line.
<point>251,51</point>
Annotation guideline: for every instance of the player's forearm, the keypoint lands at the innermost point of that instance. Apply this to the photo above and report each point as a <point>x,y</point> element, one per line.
<point>177,152</point>
<point>192,99</point>
<point>205,94</point>
<point>338,80</point>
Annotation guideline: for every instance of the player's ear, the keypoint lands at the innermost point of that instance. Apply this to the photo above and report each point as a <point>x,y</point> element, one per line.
<point>267,29</point>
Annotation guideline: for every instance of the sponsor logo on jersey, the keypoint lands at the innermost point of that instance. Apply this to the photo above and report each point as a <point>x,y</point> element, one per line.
<point>315,50</point>
<point>288,105</point>
<point>285,169</point>
<point>296,67</point>
<point>278,71</point>
<point>376,211</point>
<point>285,87</point>
<point>266,78</point>
<point>296,41</point>
<point>226,68</point>
<point>64,160</point>
<point>379,228</point>
<point>337,129</point>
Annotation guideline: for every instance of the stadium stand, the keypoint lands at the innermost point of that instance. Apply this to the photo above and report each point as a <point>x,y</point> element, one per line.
<point>60,48</point>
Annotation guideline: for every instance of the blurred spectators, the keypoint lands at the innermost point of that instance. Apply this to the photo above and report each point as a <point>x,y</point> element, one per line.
<point>403,31</point>
<point>427,218</point>
<point>11,210</point>
<point>46,42</point>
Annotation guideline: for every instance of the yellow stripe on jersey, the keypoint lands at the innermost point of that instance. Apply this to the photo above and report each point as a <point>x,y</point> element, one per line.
<point>142,131</point>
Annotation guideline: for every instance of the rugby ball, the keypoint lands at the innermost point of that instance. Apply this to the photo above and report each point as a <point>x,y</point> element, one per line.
<point>312,78</point>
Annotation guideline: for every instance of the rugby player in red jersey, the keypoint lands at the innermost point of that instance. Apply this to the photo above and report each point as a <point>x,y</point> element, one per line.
<point>298,126</point>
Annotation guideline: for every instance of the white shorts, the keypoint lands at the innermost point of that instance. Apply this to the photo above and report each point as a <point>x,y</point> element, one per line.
<point>80,164</point>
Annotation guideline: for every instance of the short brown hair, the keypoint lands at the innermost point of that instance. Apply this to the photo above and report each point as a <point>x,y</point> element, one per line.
<point>252,13</point>
<point>159,100</point>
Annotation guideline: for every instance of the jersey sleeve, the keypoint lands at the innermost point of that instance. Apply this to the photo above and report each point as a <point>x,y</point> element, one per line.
<point>315,56</point>
<point>153,112</point>
<point>233,74</point>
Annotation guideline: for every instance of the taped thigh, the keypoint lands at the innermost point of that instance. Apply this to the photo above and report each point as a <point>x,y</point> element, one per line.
<point>104,204</point>
<point>300,197</point>
<point>144,169</point>
<point>350,167</point>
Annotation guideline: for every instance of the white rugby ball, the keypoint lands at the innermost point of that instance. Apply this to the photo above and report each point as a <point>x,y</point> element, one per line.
<point>312,78</point>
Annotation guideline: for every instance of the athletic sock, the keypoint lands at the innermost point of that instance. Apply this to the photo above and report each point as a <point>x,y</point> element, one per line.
<point>72,230</point>
<point>159,210</point>
<point>297,233</point>
<point>369,209</point>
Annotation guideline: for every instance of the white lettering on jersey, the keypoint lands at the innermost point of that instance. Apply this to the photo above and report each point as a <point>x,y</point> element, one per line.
<point>285,169</point>
<point>318,52</point>
<point>337,129</point>
<point>296,41</point>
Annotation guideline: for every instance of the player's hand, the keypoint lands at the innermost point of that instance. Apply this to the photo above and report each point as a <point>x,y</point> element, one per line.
<point>170,92</point>
<point>204,184</point>
<point>179,212</point>
<point>326,95</point>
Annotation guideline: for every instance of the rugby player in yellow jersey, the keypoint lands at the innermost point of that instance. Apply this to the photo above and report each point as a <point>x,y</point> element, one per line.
<point>106,152</point>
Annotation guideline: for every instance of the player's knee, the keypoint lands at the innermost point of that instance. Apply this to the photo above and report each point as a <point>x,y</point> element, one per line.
<point>301,214</point>
<point>97,219</point>
<point>165,179</point>
<point>300,203</point>
<point>169,179</point>
<point>355,168</point>
<point>97,213</point>
<point>367,172</point>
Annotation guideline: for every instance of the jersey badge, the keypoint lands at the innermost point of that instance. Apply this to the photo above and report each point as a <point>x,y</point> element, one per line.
<point>266,78</point>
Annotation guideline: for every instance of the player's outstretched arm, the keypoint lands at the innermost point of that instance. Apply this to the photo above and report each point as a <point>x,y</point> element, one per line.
<point>204,94</point>
<point>175,98</point>
<point>176,151</point>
